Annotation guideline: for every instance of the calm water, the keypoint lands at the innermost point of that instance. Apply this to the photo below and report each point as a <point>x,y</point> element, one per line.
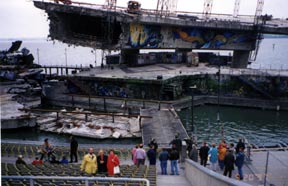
<point>260,127</point>
<point>53,53</point>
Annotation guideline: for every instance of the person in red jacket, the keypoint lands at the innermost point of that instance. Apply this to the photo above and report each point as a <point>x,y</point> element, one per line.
<point>112,162</point>
<point>37,161</point>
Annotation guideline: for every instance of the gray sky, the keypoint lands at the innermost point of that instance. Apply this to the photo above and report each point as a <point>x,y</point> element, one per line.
<point>20,19</point>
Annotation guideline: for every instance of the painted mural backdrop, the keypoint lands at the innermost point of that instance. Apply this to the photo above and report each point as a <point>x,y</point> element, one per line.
<point>145,36</point>
<point>209,39</point>
<point>150,36</point>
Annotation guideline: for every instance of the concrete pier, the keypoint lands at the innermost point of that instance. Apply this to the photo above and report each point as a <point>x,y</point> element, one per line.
<point>163,126</point>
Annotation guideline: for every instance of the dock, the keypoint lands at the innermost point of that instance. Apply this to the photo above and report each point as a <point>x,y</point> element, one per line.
<point>163,126</point>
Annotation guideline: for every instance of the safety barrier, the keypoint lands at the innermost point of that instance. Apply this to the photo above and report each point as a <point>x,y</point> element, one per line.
<point>86,179</point>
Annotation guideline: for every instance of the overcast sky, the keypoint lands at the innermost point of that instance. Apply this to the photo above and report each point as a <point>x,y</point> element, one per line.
<point>20,19</point>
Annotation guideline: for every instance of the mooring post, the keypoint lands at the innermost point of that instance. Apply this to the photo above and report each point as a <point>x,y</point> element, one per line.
<point>105,109</point>
<point>159,105</point>
<point>86,117</point>
<point>50,71</point>
<point>57,117</point>
<point>89,101</point>
<point>266,169</point>
<point>72,101</point>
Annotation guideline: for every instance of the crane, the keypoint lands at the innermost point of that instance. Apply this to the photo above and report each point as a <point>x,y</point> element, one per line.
<point>166,7</point>
<point>111,4</point>
<point>207,8</point>
<point>236,8</point>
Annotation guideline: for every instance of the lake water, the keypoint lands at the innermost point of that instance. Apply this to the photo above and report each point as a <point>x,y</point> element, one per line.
<point>272,53</point>
<point>259,127</point>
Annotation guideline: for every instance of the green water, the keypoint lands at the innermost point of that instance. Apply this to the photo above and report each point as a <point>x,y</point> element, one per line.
<point>259,127</point>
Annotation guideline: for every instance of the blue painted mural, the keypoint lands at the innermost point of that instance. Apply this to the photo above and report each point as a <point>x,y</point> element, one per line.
<point>151,36</point>
<point>203,38</point>
<point>145,36</point>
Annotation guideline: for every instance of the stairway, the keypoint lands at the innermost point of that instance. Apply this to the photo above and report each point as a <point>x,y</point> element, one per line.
<point>255,87</point>
<point>81,85</point>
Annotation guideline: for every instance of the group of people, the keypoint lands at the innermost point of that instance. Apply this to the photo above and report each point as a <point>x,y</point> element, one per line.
<point>101,164</point>
<point>91,164</point>
<point>226,156</point>
<point>139,155</point>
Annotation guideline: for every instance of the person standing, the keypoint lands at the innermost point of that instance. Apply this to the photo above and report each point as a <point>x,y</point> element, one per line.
<point>46,148</point>
<point>221,155</point>
<point>239,145</point>
<point>73,149</point>
<point>20,160</point>
<point>229,161</point>
<point>154,143</point>
<point>178,144</point>
<point>239,162</point>
<point>89,162</point>
<point>134,154</point>
<point>213,152</point>
<point>163,157</point>
<point>102,162</point>
<point>151,154</point>
<point>174,157</point>
<point>112,162</point>
<point>203,153</point>
<point>140,155</point>
<point>193,155</point>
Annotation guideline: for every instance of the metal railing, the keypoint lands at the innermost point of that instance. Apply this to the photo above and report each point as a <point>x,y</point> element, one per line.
<point>86,179</point>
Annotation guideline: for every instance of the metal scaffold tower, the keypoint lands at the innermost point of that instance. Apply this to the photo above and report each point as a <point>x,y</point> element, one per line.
<point>259,9</point>
<point>111,4</point>
<point>236,8</point>
<point>207,8</point>
<point>166,7</point>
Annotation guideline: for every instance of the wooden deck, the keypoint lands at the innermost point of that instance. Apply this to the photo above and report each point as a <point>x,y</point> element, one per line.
<point>163,126</point>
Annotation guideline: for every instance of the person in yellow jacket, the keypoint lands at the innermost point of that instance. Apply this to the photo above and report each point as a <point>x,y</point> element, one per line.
<point>89,162</point>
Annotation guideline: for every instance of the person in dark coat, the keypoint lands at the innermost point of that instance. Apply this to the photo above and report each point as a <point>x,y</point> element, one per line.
<point>203,153</point>
<point>20,160</point>
<point>163,157</point>
<point>177,142</point>
<point>239,145</point>
<point>102,162</point>
<point>174,157</point>
<point>229,161</point>
<point>193,155</point>
<point>154,143</point>
<point>239,162</point>
<point>151,154</point>
<point>73,149</point>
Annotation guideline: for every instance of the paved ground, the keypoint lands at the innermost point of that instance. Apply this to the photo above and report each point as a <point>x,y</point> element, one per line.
<point>162,122</point>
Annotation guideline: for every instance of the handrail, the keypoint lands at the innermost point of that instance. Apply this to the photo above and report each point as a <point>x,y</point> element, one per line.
<point>86,179</point>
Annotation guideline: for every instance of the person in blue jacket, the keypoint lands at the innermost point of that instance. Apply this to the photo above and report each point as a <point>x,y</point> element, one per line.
<point>240,161</point>
<point>213,152</point>
<point>163,157</point>
<point>151,154</point>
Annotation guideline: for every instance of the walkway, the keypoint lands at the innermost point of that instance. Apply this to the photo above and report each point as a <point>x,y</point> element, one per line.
<point>163,126</point>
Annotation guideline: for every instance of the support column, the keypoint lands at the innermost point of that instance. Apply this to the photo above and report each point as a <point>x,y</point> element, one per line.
<point>129,57</point>
<point>240,58</point>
